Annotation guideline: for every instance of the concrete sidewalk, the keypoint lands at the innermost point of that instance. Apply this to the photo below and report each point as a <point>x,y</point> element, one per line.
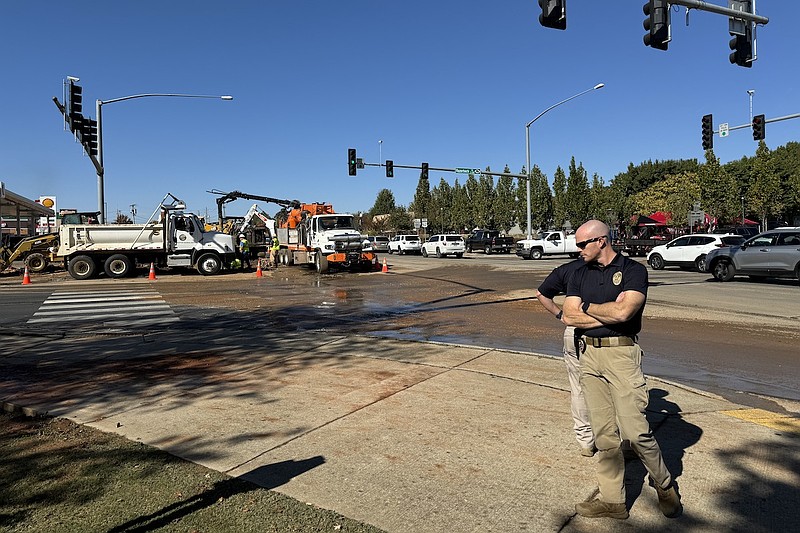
<point>407,436</point>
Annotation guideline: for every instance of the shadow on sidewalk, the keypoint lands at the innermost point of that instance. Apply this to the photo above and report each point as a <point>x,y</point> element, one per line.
<point>674,435</point>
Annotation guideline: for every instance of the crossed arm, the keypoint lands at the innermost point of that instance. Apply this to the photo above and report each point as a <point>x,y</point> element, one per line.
<point>622,309</point>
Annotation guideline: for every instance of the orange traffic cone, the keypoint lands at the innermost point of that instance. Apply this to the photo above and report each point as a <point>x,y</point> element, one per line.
<point>385,266</point>
<point>259,274</point>
<point>26,278</point>
<point>152,271</point>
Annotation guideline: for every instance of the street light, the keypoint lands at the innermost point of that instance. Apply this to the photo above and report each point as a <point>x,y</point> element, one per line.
<point>99,109</point>
<point>750,92</point>
<point>528,143</point>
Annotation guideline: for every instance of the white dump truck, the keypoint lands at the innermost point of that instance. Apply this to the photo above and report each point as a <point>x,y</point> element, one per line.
<point>177,239</point>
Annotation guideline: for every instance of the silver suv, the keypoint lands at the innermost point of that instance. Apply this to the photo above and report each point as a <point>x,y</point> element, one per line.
<point>774,253</point>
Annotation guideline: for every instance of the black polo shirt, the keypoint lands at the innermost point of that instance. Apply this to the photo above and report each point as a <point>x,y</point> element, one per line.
<point>556,282</point>
<point>596,284</point>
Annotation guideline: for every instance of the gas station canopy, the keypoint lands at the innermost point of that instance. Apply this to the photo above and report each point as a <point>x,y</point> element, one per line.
<point>19,214</point>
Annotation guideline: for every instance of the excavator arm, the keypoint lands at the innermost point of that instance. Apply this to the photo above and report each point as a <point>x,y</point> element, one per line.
<point>226,197</point>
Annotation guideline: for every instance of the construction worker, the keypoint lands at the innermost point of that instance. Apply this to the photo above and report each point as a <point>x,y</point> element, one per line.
<point>244,249</point>
<point>276,246</point>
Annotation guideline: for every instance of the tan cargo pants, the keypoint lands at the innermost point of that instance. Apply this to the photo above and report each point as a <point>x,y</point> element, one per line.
<point>616,394</point>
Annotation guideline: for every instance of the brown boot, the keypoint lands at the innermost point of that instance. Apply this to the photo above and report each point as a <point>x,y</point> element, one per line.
<point>668,500</point>
<point>601,509</point>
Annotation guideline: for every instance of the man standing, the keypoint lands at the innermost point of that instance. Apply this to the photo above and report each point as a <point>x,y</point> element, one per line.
<point>605,301</point>
<point>553,285</point>
<point>244,249</point>
<point>273,251</point>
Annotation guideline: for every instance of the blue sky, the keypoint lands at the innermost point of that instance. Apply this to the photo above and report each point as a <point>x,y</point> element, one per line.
<point>451,83</point>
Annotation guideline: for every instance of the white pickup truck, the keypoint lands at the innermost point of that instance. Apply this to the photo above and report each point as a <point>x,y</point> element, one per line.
<point>549,243</point>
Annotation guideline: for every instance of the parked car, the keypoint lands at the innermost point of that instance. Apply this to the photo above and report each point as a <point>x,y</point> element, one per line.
<point>377,243</point>
<point>690,250</point>
<point>405,244</point>
<point>442,245</point>
<point>489,241</point>
<point>774,253</point>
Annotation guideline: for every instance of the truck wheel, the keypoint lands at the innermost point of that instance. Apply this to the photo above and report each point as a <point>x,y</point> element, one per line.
<point>82,267</point>
<point>536,253</point>
<point>424,252</point>
<point>459,256</point>
<point>724,271</point>
<point>36,262</point>
<point>118,266</point>
<point>439,253</point>
<point>487,250</point>
<point>320,262</point>
<point>656,262</point>
<point>209,264</point>
<point>469,248</point>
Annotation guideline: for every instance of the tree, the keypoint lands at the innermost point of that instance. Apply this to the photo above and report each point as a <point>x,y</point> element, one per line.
<point>765,195</point>
<point>541,200</point>
<point>461,212</point>
<point>503,206</point>
<point>422,198</point>
<point>559,198</point>
<point>442,206</point>
<point>384,203</point>
<point>483,201</point>
<point>400,220</point>
<point>718,191</point>
<point>577,198</point>
<point>674,194</point>
<point>122,218</point>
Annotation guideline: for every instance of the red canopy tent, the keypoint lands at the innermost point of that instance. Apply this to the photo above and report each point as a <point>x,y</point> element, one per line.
<point>661,217</point>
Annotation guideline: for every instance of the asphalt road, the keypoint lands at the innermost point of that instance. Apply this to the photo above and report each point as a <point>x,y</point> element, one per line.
<point>736,339</point>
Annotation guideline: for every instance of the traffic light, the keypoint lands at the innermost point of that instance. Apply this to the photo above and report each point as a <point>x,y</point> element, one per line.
<point>75,107</point>
<point>89,136</point>
<point>657,24</point>
<point>742,46</point>
<point>758,127</point>
<point>389,168</point>
<point>424,174</point>
<point>351,161</point>
<point>554,14</point>
<point>708,132</point>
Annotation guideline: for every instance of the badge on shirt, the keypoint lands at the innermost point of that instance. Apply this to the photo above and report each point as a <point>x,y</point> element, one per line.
<point>617,279</point>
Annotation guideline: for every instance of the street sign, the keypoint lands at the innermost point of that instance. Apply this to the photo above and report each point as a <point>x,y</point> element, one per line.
<point>475,171</point>
<point>723,129</point>
<point>424,222</point>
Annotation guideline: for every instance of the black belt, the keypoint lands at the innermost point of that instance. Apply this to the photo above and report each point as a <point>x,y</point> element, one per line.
<point>608,342</point>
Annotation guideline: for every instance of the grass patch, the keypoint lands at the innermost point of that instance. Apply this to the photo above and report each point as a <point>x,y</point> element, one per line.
<point>56,475</point>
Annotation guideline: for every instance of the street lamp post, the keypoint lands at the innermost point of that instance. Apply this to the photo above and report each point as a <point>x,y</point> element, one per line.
<point>528,144</point>
<point>750,93</point>
<point>99,110</point>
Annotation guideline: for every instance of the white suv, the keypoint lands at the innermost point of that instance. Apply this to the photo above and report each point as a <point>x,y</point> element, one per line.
<point>442,245</point>
<point>690,250</point>
<point>405,244</point>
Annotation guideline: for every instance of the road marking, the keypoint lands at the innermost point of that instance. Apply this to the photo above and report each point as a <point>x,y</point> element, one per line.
<point>127,307</point>
<point>785,423</point>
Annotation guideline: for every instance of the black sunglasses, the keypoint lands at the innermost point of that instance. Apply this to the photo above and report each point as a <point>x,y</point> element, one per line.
<point>583,244</point>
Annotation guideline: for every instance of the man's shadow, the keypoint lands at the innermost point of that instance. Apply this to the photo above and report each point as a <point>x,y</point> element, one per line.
<point>674,436</point>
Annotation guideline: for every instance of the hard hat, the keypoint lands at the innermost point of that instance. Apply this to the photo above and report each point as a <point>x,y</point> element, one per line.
<point>241,235</point>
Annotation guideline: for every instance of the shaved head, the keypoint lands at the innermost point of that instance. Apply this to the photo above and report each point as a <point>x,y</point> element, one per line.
<point>594,228</point>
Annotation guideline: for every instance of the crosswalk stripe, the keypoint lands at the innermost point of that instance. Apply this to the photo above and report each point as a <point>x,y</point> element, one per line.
<point>133,308</point>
